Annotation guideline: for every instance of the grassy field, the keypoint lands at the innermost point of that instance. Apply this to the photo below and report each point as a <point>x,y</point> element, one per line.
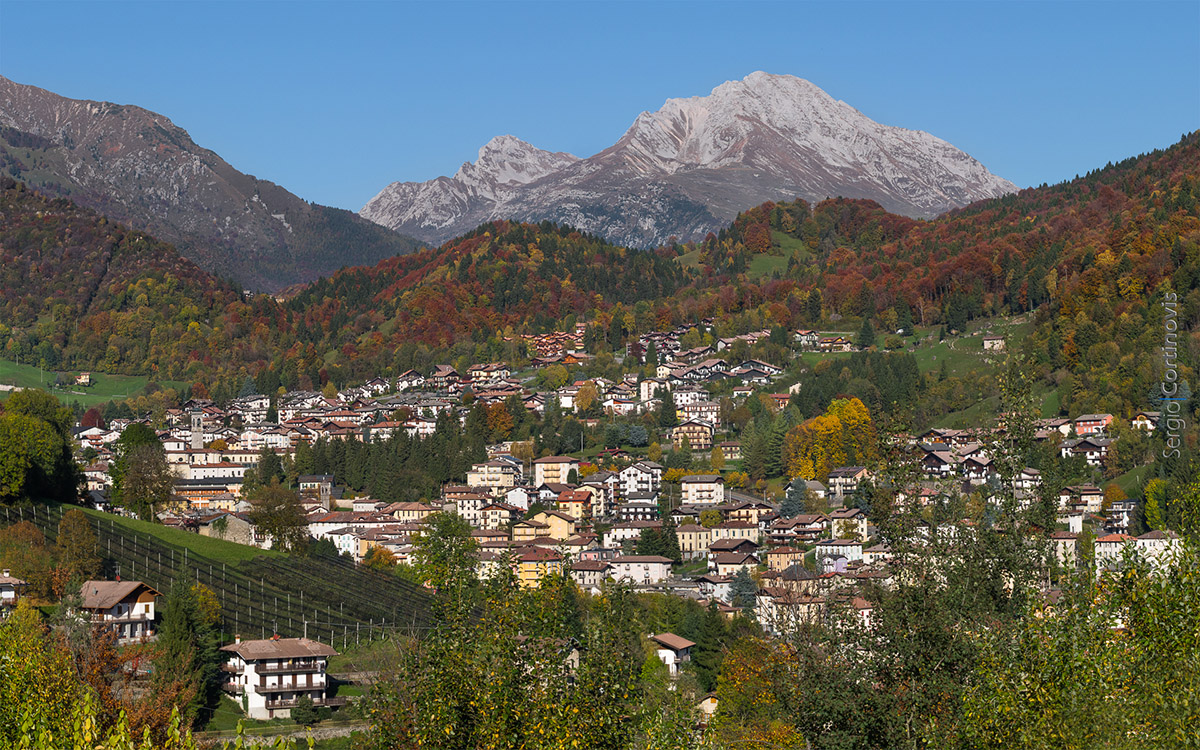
<point>1133,481</point>
<point>104,387</point>
<point>328,599</point>
<point>790,245</point>
<point>765,265</point>
<point>690,260</point>
<point>218,550</point>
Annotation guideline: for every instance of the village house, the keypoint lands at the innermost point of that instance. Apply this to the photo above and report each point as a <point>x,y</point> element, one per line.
<point>1145,420</point>
<point>1066,548</point>
<point>702,489</point>
<point>835,344</point>
<point>673,650</point>
<point>590,574</point>
<point>641,569</point>
<point>269,677</point>
<point>697,435</point>
<point>125,608</point>
<point>806,338</point>
<point>693,540</point>
<point>1093,449</point>
<point>1081,497</point>
<point>527,530</point>
<point>497,515</point>
<point>640,477</point>
<point>410,512</point>
<point>554,469</point>
<point>782,610</point>
<point>850,549</point>
<point>802,529</point>
<point>1110,549</point>
<point>849,523</point>
<point>754,512</point>
<point>638,511</point>
<point>993,343</point>
<point>735,544</point>
<point>843,481</point>
<point>1092,424</point>
<point>559,525</point>
<point>11,589</point>
<point>1157,546</point>
<point>619,533</point>
<point>575,503</point>
<point>729,563</point>
<point>535,563</point>
<point>782,558</point>
<point>498,475</point>
<point>741,530</point>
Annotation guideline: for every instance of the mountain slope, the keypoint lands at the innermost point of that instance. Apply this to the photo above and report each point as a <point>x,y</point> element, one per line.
<point>691,166</point>
<point>139,168</point>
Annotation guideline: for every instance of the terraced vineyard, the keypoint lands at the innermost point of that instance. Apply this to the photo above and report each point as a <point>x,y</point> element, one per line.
<point>331,600</point>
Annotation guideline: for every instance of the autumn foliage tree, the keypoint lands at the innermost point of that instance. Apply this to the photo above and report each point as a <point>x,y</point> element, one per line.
<point>843,436</point>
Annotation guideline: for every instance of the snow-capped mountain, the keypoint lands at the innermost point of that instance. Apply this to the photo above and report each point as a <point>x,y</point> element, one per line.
<point>447,206</point>
<point>692,165</point>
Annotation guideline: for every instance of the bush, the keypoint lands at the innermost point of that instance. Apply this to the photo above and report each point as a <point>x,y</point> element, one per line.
<point>305,712</point>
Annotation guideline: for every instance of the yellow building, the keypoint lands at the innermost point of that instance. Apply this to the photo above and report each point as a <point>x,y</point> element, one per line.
<point>535,563</point>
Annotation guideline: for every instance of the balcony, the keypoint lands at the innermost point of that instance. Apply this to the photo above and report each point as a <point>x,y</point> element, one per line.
<point>231,669</point>
<point>297,668</point>
<point>291,703</point>
<point>262,689</point>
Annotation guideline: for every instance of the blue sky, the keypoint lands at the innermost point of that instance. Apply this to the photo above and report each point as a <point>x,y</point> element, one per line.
<point>335,100</point>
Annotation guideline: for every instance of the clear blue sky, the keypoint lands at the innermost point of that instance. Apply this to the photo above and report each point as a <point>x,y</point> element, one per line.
<point>335,100</point>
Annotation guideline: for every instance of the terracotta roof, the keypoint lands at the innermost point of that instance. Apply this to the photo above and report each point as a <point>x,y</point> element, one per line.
<point>106,594</point>
<point>279,648</point>
<point>1157,534</point>
<point>672,641</point>
<point>596,565</point>
<point>539,554</point>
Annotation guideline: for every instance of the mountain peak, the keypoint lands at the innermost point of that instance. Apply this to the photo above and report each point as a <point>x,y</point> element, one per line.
<point>508,160</point>
<point>692,165</point>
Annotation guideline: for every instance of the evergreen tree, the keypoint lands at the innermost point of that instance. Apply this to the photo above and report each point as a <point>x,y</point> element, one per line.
<point>743,592</point>
<point>866,335</point>
<point>793,499</point>
<point>667,416</point>
<point>248,388</point>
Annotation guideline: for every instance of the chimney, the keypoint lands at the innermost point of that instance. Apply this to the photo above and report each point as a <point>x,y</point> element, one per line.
<point>237,639</point>
<point>6,572</point>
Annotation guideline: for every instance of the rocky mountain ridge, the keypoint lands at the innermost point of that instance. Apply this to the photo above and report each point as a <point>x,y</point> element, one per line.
<point>691,166</point>
<point>138,167</point>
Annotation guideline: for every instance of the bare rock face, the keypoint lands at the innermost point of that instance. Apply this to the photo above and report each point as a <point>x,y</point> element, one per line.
<point>688,168</point>
<point>138,167</point>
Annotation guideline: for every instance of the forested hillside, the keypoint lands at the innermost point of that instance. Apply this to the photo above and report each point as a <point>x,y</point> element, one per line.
<point>1089,259</point>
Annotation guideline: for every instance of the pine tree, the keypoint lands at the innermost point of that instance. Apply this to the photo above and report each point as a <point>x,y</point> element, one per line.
<point>667,416</point>
<point>248,388</point>
<point>743,592</point>
<point>866,334</point>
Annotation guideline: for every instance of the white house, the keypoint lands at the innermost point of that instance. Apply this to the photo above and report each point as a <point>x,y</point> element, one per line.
<point>673,650</point>
<point>703,489</point>
<point>641,569</point>
<point>10,589</point>
<point>641,477</point>
<point>851,549</point>
<point>1155,546</point>
<point>270,676</point>
<point>124,607</point>
<point>553,469</point>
